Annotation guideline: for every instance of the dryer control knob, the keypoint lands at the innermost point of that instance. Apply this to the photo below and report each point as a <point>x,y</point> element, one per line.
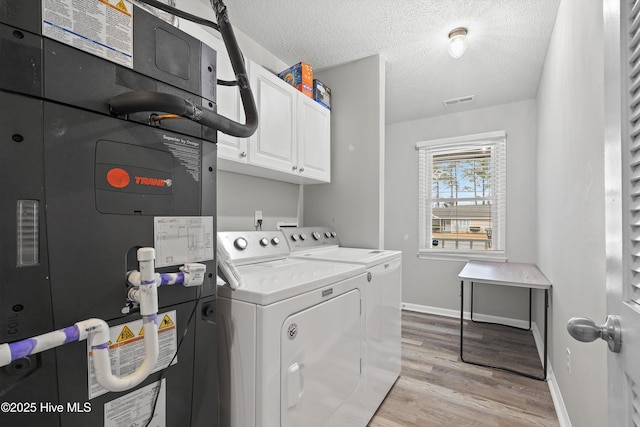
<point>303,236</point>
<point>294,237</point>
<point>315,235</point>
<point>275,241</point>
<point>264,242</point>
<point>327,234</point>
<point>240,243</point>
<point>334,234</point>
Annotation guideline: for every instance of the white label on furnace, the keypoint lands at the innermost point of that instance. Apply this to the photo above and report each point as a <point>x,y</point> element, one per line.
<point>134,409</point>
<point>126,349</point>
<point>183,239</point>
<point>103,28</point>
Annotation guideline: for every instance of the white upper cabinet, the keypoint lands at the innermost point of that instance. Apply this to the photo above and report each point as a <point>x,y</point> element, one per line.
<point>293,139</point>
<point>314,140</point>
<point>273,145</point>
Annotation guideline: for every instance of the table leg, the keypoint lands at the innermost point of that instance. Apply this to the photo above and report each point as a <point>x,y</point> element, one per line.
<point>514,371</point>
<point>546,309</point>
<point>461,317</point>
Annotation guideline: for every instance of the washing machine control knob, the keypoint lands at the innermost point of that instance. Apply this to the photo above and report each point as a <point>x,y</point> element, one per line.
<point>294,237</point>
<point>327,234</point>
<point>240,243</point>
<point>303,236</point>
<point>275,241</point>
<point>315,235</point>
<point>334,234</point>
<point>264,242</point>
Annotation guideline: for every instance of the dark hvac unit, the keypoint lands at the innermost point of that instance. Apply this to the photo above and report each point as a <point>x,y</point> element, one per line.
<point>83,189</point>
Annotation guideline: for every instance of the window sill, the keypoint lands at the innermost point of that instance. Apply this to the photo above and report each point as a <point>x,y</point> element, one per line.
<point>462,255</point>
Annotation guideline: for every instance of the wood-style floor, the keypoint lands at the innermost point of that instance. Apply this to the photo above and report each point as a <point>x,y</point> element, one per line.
<point>435,388</point>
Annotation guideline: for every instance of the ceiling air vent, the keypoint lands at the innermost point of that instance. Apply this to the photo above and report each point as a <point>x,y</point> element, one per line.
<point>461,100</point>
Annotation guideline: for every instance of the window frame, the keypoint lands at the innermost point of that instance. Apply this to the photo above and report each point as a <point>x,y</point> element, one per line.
<point>497,140</point>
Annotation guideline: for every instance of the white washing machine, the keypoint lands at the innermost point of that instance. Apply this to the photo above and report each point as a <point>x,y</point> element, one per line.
<point>291,337</point>
<point>382,299</point>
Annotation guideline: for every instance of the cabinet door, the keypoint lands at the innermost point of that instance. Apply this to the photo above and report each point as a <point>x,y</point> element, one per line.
<point>314,139</point>
<point>273,144</point>
<point>229,105</point>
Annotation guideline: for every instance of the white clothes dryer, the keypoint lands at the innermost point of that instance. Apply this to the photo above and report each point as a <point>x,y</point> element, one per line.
<point>382,301</point>
<point>291,337</point>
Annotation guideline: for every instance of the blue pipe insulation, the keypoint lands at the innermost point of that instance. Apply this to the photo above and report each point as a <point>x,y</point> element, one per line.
<point>171,279</point>
<point>29,346</point>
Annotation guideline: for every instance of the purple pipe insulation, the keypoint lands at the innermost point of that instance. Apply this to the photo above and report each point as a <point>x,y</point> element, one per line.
<point>171,279</point>
<point>29,346</point>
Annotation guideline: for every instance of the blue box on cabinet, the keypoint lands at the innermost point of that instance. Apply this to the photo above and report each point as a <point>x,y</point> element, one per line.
<point>322,93</point>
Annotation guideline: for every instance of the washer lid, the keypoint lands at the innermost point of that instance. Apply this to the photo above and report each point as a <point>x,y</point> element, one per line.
<point>368,257</point>
<point>273,281</point>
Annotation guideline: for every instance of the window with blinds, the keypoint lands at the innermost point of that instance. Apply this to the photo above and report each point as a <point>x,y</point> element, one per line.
<point>462,196</point>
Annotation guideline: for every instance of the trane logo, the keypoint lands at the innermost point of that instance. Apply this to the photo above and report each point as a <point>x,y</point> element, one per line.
<point>119,178</point>
<point>154,182</point>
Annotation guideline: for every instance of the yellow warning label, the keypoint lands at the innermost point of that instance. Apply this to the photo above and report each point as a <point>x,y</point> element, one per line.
<point>166,322</point>
<point>141,333</point>
<point>125,334</point>
<point>120,5</point>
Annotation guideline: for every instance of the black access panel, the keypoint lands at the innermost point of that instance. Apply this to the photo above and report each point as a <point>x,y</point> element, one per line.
<point>25,296</point>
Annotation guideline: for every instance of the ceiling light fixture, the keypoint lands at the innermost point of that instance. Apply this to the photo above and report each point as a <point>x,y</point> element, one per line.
<point>457,42</point>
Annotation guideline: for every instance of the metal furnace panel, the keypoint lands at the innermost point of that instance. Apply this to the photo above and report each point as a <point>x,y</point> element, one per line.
<point>91,251</point>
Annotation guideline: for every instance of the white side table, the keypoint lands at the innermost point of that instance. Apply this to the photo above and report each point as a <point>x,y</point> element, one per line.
<point>507,274</point>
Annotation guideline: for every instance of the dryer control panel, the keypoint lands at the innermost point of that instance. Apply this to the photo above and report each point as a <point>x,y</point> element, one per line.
<point>246,247</point>
<point>305,238</point>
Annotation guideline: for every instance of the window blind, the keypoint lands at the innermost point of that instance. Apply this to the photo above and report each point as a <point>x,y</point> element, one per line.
<point>462,195</point>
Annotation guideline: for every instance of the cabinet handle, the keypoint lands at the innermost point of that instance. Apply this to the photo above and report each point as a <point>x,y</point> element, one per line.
<point>301,169</point>
<point>294,168</point>
<point>243,154</point>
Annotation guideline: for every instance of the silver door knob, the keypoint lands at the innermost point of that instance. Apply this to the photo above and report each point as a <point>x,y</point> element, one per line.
<point>243,154</point>
<point>586,330</point>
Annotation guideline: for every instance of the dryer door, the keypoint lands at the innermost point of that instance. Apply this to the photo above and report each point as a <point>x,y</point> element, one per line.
<point>320,360</point>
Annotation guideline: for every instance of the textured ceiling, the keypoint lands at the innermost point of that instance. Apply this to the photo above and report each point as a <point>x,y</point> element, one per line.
<point>507,44</point>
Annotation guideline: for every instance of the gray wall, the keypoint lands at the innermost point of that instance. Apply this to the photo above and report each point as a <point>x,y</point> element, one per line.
<point>239,196</point>
<point>571,232</point>
<point>353,202</point>
<point>435,283</point>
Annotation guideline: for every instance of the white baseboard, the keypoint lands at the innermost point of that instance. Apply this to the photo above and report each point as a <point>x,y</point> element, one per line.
<point>556,396</point>
<point>554,389</point>
<point>467,315</point>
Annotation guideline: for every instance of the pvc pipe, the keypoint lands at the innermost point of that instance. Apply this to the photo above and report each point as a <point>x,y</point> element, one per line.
<point>102,362</point>
<point>29,346</point>
<point>97,332</point>
<point>189,275</point>
<point>162,279</point>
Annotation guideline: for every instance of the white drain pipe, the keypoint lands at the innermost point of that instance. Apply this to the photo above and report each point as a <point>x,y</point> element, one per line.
<point>97,331</point>
<point>148,299</point>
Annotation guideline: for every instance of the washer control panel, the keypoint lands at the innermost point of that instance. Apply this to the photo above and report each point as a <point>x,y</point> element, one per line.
<point>251,246</point>
<point>300,238</point>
